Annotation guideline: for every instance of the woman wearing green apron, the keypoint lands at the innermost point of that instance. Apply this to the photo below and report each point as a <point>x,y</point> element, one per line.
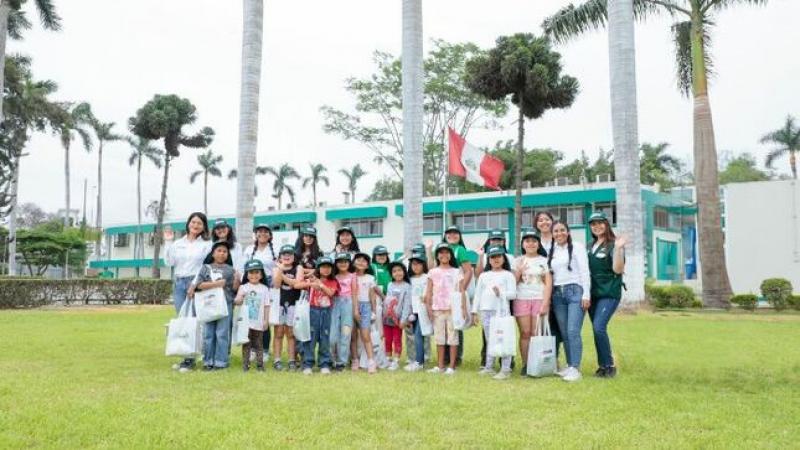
<point>606,265</point>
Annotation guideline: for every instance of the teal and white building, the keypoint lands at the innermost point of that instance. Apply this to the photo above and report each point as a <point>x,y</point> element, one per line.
<point>669,224</point>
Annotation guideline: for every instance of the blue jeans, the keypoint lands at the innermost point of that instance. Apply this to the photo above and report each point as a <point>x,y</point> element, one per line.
<point>569,314</point>
<point>320,336</point>
<point>216,341</point>
<point>600,313</point>
<point>419,343</point>
<point>179,289</point>
<point>341,329</point>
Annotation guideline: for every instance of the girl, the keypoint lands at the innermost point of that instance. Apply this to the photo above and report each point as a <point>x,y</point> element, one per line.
<point>418,267</point>
<point>254,295</point>
<point>410,345</point>
<point>570,267</point>
<point>496,238</point>
<point>223,232</point>
<point>534,286</point>
<point>444,281</point>
<point>452,237</point>
<point>366,305</point>
<point>380,270</point>
<point>543,223</point>
<point>185,256</point>
<point>346,241</point>
<point>606,265</point>
<point>396,312</point>
<point>287,277</point>
<point>323,288</point>
<point>495,289</point>
<point>218,272</point>
<point>344,306</point>
<point>263,250</point>
<point>307,249</point>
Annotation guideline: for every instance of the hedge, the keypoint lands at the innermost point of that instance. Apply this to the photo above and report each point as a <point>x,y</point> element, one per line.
<point>777,292</point>
<point>746,301</point>
<point>673,296</point>
<point>20,292</point>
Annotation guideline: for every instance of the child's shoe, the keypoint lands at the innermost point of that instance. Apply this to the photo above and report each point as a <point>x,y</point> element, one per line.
<point>354,366</point>
<point>572,374</point>
<point>208,368</point>
<point>277,365</point>
<point>245,367</point>
<point>450,371</point>
<point>372,367</point>
<point>413,367</point>
<point>292,366</point>
<point>394,365</point>
<point>325,371</point>
<point>260,367</point>
<point>486,371</point>
<point>502,375</point>
<point>435,370</point>
<point>307,371</point>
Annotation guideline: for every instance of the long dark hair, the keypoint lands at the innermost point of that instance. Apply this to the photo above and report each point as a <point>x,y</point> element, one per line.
<point>231,239</point>
<point>332,276</point>
<point>269,242</point>
<point>608,237</point>
<point>353,247</point>
<point>300,247</point>
<point>506,264</point>
<point>421,261</point>
<point>203,219</point>
<point>369,270</point>
<point>553,246</point>
<point>210,256</point>
<point>405,272</point>
<point>540,250</point>
<point>460,238</point>
<point>263,278</point>
<point>536,220</point>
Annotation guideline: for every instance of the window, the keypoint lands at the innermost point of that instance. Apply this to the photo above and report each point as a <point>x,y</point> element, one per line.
<point>660,218</point>
<point>609,209</point>
<point>572,214</point>
<point>121,240</point>
<point>432,223</point>
<point>481,221</point>
<point>365,227</point>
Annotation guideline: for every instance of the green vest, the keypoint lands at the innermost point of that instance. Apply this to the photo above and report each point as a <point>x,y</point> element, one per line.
<point>605,283</point>
<point>461,255</point>
<point>382,276</point>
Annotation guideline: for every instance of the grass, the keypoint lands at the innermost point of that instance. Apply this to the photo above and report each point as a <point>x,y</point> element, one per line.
<point>86,378</point>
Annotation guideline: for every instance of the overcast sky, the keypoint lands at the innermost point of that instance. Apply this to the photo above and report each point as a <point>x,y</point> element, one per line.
<point>116,54</point>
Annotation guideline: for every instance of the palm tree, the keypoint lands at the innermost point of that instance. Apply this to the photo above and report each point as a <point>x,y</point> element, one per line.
<point>208,166</point>
<point>353,175</point>
<point>249,96</point>
<point>13,21</point>
<point>658,166</point>
<point>788,139</point>
<point>316,177</point>
<point>691,36</point>
<point>74,126</point>
<point>260,170</point>
<point>142,149</point>
<point>282,176</point>
<point>412,84</point>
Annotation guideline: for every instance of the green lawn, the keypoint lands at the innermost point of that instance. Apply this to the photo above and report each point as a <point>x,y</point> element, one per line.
<point>98,378</point>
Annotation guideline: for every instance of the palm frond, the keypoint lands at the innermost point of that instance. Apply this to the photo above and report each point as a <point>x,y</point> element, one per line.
<point>215,172</point>
<point>682,38</point>
<point>132,159</point>
<point>17,23</point>
<point>290,191</point>
<point>194,175</point>
<point>155,158</point>
<point>719,5</point>
<point>773,155</point>
<point>48,15</point>
<point>324,179</point>
<point>86,138</point>
<point>233,173</point>
<point>572,20</point>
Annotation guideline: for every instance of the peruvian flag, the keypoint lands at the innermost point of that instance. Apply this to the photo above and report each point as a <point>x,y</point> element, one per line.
<point>472,163</point>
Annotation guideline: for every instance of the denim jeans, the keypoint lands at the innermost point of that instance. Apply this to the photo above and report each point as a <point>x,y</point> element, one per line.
<point>600,313</point>
<point>320,337</point>
<point>419,343</point>
<point>216,341</point>
<point>569,314</point>
<point>179,289</point>
<point>341,329</point>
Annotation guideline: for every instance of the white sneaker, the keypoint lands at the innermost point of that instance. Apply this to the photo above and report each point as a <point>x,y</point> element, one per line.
<point>184,370</point>
<point>413,367</point>
<point>502,375</point>
<point>450,371</point>
<point>307,372</point>
<point>563,371</point>
<point>486,371</point>
<point>176,366</point>
<point>572,374</point>
<point>394,366</point>
<point>325,371</point>
<point>435,370</point>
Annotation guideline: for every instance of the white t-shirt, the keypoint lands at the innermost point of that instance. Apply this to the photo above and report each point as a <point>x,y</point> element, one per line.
<point>531,285</point>
<point>561,264</point>
<point>366,283</point>
<point>418,286</point>
<point>485,297</point>
<point>255,299</point>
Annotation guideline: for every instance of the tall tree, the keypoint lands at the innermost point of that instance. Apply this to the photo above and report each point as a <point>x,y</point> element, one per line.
<point>164,117</point>
<point>788,141</point>
<point>142,149</point>
<point>524,68</point>
<point>282,175</point>
<point>13,22</point>
<point>657,166</point>
<point>234,174</point>
<point>252,30</point>
<point>75,126</point>
<point>316,177</point>
<point>691,32</point>
<point>742,169</point>
<point>353,175</point>
<point>209,165</point>
<point>413,86</point>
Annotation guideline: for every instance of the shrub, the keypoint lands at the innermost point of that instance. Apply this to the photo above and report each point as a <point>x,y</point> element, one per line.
<point>746,301</point>
<point>777,292</point>
<point>676,296</point>
<point>19,292</point>
<point>794,301</point>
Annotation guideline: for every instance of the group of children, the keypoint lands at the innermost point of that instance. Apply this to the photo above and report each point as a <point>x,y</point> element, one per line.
<point>423,296</point>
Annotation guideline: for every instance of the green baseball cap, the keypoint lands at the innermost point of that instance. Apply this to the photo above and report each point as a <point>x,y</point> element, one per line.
<point>530,232</point>
<point>253,264</point>
<point>220,223</point>
<point>309,230</point>
<point>288,248</point>
<point>380,250</point>
<point>597,216</point>
<point>342,256</point>
<point>324,260</point>
<point>343,229</point>
<point>261,225</point>
<point>497,234</point>
<point>419,256</point>
<point>452,229</point>
<point>363,255</point>
<point>496,250</point>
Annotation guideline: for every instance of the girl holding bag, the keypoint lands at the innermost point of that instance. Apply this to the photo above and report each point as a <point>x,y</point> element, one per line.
<point>254,296</point>
<point>396,312</point>
<point>444,284</point>
<point>534,286</point>
<point>418,267</point>
<point>263,250</point>
<point>495,289</point>
<point>218,272</point>
<point>323,288</point>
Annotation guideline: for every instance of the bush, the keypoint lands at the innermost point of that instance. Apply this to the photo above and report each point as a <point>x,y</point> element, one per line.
<point>19,292</point>
<point>677,296</point>
<point>746,301</point>
<point>794,301</point>
<point>777,292</point>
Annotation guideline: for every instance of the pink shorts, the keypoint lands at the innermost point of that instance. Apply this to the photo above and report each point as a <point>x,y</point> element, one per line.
<point>525,308</point>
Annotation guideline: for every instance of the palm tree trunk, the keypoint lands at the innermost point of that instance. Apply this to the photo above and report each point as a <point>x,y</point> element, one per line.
<point>793,164</point>
<point>713,269</point>
<point>5,9</point>
<point>66,182</point>
<point>253,12</point>
<point>138,244</point>
<point>205,193</point>
<point>413,85</point>
<point>624,122</point>
<point>99,218</point>
<point>518,175</point>
<point>158,232</point>
<point>314,192</point>
<point>12,221</point>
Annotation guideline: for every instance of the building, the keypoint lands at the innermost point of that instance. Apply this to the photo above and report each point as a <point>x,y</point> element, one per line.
<point>667,221</point>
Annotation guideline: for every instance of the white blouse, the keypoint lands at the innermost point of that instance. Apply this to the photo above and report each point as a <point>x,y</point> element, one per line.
<point>266,256</point>
<point>485,297</point>
<point>579,274</point>
<point>186,256</point>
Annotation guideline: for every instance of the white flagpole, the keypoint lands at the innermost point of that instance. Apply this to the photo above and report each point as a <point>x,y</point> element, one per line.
<point>446,151</point>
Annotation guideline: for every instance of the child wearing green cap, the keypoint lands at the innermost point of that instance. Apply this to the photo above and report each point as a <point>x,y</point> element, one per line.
<point>289,278</point>
<point>323,288</point>
<point>253,294</point>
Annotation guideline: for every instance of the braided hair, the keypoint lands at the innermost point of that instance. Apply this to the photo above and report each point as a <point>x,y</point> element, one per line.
<point>553,246</point>
<point>271,248</point>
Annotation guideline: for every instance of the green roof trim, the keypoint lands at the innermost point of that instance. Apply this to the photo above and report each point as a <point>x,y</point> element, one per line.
<point>287,217</point>
<point>367,212</point>
<point>123,263</point>
<point>282,217</point>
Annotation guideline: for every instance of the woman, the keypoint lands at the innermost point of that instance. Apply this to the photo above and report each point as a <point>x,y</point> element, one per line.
<point>543,222</point>
<point>570,267</point>
<point>307,249</point>
<point>452,237</point>
<point>606,265</point>
<point>186,256</point>
<point>263,250</point>
<point>534,286</point>
<point>224,232</point>
<point>346,241</point>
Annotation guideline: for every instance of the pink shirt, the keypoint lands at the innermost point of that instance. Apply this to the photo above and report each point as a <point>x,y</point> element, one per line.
<point>345,285</point>
<point>445,284</point>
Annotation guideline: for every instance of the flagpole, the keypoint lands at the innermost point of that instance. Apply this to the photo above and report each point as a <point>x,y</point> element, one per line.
<point>446,151</point>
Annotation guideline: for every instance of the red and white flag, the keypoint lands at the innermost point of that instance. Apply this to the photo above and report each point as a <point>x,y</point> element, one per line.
<point>472,163</point>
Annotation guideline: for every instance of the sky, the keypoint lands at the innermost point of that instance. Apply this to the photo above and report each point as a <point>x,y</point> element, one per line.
<point>116,54</point>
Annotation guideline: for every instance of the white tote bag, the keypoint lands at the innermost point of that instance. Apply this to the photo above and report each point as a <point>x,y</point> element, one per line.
<point>275,306</point>
<point>542,351</point>
<point>502,333</point>
<point>425,324</point>
<point>302,319</point>
<point>459,322</point>
<point>210,305</point>
<point>184,334</point>
<point>241,326</point>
